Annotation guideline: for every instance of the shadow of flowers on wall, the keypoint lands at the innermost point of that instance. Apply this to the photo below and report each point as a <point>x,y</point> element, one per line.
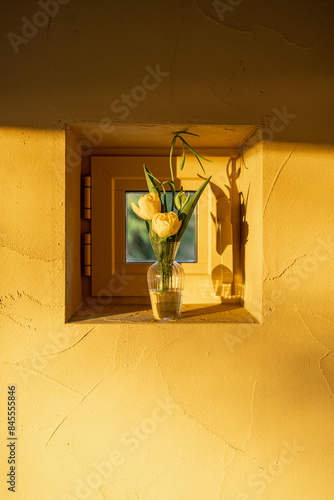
<point>231,236</point>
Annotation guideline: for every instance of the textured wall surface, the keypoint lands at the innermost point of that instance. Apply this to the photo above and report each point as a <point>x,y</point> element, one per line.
<point>161,412</point>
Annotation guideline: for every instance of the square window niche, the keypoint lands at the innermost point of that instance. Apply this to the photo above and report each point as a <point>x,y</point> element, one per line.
<point>107,249</point>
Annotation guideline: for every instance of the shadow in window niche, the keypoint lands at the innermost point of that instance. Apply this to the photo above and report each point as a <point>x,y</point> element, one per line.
<point>232,231</point>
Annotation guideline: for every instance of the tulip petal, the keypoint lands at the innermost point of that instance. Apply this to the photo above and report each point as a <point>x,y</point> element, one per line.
<point>136,210</point>
<point>166,224</point>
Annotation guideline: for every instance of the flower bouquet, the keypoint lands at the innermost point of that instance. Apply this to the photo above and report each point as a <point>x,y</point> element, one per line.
<point>166,228</point>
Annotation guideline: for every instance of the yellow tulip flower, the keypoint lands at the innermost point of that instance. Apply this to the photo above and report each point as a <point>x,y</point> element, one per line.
<point>166,224</point>
<point>148,205</point>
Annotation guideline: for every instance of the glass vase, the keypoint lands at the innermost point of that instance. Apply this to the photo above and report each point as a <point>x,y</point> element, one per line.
<point>165,279</point>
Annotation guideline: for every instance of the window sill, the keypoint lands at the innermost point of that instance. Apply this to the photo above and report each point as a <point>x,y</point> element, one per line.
<point>206,313</point>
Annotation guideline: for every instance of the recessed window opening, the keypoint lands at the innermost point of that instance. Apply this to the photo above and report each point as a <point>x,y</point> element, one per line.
<point>138,246</point>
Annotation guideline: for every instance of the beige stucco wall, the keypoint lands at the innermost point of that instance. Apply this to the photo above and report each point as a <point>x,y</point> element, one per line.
<point>152,411</point>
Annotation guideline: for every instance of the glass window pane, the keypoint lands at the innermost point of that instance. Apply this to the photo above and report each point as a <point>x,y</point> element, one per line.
<point>138,246</point>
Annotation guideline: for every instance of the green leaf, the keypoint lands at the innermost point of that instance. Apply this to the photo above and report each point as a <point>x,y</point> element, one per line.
<point>180,200</point>
<point>189,207</point>
<point>171,157</point>
<point>172,187</point>
<point>198,156</point>
<point>176,200</point>
<point>193,151</point>
<point>183,159</point>
<point>199,161</point>
<point>164,202</point>
<point>151,181</point>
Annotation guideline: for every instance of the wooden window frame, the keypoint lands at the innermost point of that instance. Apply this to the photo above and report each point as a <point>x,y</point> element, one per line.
<point>112,276</point>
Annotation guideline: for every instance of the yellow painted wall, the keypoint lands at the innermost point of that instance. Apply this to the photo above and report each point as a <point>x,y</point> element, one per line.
<point>156,412</point>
